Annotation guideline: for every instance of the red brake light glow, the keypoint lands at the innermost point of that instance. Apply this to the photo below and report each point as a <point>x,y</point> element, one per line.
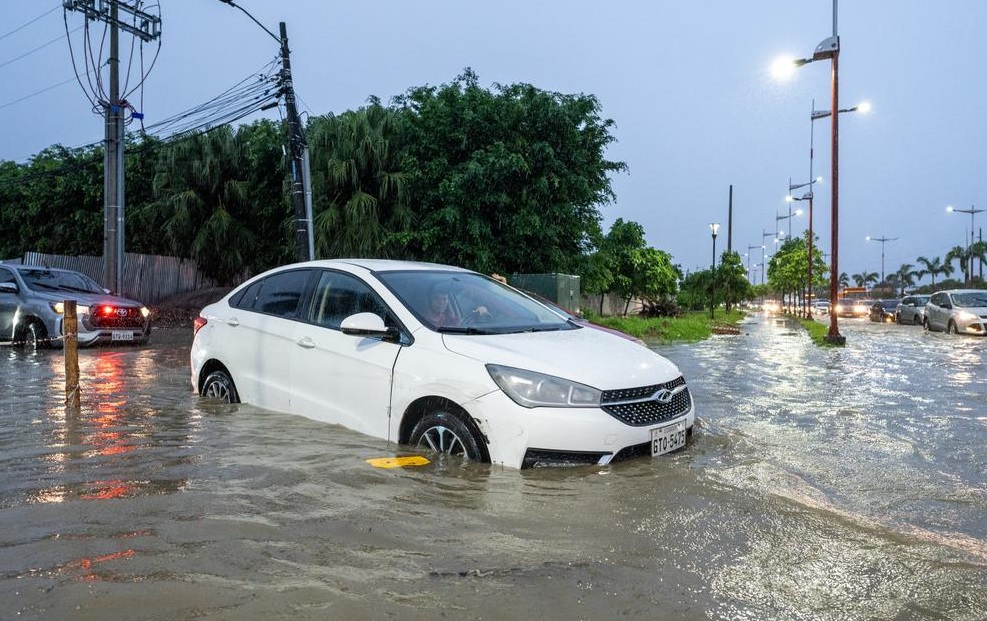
<point>197,324</point>
<point>106,310</point>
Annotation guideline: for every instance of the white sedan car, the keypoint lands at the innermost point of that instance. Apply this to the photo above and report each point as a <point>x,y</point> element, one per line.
<point>440,358</point>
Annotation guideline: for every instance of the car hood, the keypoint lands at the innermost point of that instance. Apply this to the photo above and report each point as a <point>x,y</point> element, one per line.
<point>979,311</point>
<point>84,299</point>
<point>584,355</point>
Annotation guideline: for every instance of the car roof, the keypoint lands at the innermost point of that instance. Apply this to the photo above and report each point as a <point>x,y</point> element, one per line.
<point>383,265</point>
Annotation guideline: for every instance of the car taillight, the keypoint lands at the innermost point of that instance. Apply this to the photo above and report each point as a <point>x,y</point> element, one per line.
<point>197,324</point>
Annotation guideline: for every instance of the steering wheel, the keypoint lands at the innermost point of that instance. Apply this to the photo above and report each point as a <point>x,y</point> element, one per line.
<point>475,317</point>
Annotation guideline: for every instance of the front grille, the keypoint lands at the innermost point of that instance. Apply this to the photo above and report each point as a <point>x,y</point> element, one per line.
<point>541,458</point>
<point>131,318</point>
<point>637,406</point>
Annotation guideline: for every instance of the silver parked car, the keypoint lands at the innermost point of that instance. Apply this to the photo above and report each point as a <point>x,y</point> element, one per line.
<point>957,311</point>
<point>31,299</point>
<point>911,310</point>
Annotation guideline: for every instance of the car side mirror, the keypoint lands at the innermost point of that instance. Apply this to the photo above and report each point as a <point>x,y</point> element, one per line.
<point>368,324</point>
<point>9,287</point>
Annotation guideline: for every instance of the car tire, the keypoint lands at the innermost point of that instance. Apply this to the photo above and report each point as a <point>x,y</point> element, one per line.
<point>926,326</point>
<point>951,328</point>
<point>219,385</point>
<point>446,433</point>
<point>33,336</point>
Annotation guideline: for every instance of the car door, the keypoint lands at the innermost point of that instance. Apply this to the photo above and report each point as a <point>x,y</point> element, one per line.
<point>259,336</point>
<point>935,314</point>
<point>9,303</point>
<point>340,378</point>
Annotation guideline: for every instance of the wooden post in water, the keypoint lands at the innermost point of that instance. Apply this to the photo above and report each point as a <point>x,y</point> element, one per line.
<point>70,330</point>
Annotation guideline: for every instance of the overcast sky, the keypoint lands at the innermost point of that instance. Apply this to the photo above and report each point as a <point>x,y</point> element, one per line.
<point>687,83</point>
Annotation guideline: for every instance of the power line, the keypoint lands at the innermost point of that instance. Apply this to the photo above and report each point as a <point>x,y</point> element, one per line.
<point>25,25</point>
<point>40,47</point>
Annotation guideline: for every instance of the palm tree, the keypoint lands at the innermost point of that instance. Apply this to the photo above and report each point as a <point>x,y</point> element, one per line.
<point>865,278</point>
<point>905,277</point>
<point>978,251</point>
<point>844,280</point>
<point>204,206</point>
<point>933,268</point>
<point>963,255</point>
<point>362,203</point>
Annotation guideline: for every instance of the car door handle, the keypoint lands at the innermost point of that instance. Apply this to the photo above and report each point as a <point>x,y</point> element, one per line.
<point>232,321</point>
<point>305,342</point>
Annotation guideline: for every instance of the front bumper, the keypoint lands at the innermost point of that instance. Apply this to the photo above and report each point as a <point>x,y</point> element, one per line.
<point>520,437</point>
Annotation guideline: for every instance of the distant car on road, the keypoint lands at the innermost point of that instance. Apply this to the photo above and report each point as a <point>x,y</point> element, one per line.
<point>31,308</point>
<point>853,307</point>
<point>911,310</point>
<point>882,311</point>
<point>820,308</point>
<point>957,311</point>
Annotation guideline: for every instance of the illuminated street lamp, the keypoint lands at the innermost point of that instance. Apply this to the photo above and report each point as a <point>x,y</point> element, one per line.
<point>749,248</point>
<point>829,48</point>
<point>972,211</point>
<point>798,212</point>
<point>713,227</point>
<point>882,240</point>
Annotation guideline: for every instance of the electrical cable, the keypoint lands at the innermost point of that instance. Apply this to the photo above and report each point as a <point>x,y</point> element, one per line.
<point>25,25</point>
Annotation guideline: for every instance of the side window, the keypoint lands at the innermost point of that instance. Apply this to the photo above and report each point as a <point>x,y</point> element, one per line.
<point>6,275</point>
<point>937,299</point>
<point>280,293</point>
<point>338,295</point>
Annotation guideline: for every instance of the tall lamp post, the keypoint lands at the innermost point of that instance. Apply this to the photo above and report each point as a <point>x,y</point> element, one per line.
<point>829,48</point>
<point>713,227</point>
<point>972,211</point>
<point>883,240</point>
<point>749,248</point>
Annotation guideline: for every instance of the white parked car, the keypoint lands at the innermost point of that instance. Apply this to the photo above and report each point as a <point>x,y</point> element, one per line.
<point>440,358</point>
<point>957,311</point>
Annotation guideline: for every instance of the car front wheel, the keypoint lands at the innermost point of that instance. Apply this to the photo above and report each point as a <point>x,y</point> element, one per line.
<point>951,328</point>
<point>33,336</point>
<point>219,385</point>
<point>446,433</point>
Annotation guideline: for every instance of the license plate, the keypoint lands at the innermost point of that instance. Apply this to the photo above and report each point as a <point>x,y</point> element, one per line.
<point>668,438</point>
<point>121,335</point>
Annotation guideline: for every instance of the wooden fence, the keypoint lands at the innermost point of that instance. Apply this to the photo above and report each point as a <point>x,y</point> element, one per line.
<point>148,278</point>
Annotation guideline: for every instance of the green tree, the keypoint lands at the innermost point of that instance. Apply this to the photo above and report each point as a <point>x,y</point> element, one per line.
<point>934,267</point>
<point>865,279</point>
<point>362,205</point>
<point>732,286</point>
<point>204,207</point>
<point>963,255</point>
<point>505,180</point>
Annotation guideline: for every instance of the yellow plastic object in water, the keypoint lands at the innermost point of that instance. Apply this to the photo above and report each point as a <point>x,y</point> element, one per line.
<point>398,462</point>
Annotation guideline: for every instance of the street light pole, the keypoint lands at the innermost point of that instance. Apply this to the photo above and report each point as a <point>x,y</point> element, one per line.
<point>749,248</point>
<point>297,147</point>
<point>972,211</point>
<point>713,227</point>
<point>882,240</point>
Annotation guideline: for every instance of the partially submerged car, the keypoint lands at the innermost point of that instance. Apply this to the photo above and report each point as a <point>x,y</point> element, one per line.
<point>31,308</point>
<point>957,311</point>
<point>441,358</point>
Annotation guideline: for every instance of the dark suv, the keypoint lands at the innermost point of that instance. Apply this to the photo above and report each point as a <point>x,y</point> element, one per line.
<point>31,300</point>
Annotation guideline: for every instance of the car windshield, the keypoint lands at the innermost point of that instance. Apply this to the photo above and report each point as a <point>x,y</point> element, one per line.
<point>889,304</point>
<point>971,299</point>
<point>59,280</point>
<point>469,303</point>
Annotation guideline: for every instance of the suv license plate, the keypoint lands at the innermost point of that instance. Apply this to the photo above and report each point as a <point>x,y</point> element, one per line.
<point>668,438</point>
<point>122,335</point>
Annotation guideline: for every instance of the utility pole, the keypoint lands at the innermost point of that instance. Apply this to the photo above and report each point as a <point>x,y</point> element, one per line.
<point>304,249</point>
<point>147,27</point>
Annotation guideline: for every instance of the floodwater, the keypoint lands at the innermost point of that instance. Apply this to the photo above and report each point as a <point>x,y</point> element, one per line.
<point>819,484</point>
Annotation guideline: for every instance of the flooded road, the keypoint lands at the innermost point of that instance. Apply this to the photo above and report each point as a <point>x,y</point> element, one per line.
<point>819,484</point>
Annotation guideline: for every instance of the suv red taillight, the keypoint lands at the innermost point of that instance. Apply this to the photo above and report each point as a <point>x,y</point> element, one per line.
<point>197,324</point>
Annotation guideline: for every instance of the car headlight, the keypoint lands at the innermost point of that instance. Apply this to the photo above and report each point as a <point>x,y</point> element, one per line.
<point>59,307</point>
<point>532,390</point>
